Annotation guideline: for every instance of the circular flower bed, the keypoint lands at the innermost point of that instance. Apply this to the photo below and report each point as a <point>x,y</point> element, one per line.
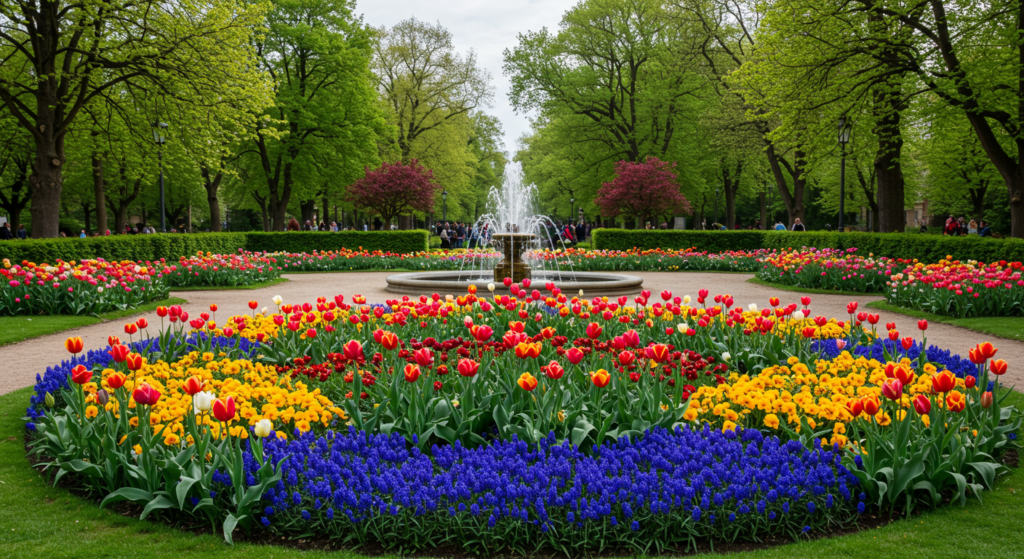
<point>537,420</point>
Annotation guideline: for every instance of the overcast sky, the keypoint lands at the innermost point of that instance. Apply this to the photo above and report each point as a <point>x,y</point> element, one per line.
<point>488,27</point>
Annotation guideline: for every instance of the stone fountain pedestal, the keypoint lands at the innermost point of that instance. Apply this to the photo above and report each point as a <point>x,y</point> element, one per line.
<point>513,245</point>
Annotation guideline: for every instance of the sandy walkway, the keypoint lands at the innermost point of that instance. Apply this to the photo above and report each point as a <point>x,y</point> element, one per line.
<point>22,361</point>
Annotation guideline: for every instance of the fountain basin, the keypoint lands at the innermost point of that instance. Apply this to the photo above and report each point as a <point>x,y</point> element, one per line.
<point>593,284</point>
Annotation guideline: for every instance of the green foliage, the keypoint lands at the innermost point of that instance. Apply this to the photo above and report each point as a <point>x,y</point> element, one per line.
<point>309,241</point>
<point>926,248</point>
<point>712,241</point>
<point>121,247</point>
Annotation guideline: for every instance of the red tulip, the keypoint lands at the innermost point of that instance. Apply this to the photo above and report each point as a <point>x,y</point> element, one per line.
<point>854,407</point>
<point>666,295</point>
<point>224,410</point>
<point>658,352</point>
<point>424,357</point>
<point>907,342</point>
<point>922,325</point>
<point>161,311</point>
<point>142,322</point>
<point>904,374</point>
<point>626,358</point>
<point>890,325</point>
<point>922,404</point>
<point>146,395</point>
<point>871,405</point>
<point>574,355</point>
<point>113,341</point>
<point>894,335</point>
<point>133,361</point>
<point>997,366</point>
<point>389,340</point>
<point>851,307</point>
<point>632,338</point>
<point>481,333</point>
<point>116,380</point>
<point>353,350</point>
<point>213,308</point>
<point>253,305</point>
<point>81,375</point>
<point>873,319</point>
<point>593,330</point>
<point>969,381</point>
<point>809,332</point>
<point>130,329</point>
<point>74,345</point>
<point>553,370</point>
<point>468,367</point>
<point>892,389</point>
<point>805,301</point>
<point>192,386</point>
<point>943,382</point>
<point>119,353</point>
<point>773,301</point>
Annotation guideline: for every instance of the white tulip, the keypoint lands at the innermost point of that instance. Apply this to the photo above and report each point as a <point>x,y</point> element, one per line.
<point>752,307</point>
<point>686,300</point>
<point>726,356</point>
<point>264,311</point>
<point>581,293</point>
<point>277,300</point>
<point>490,287</point>
<point>683,327</point>
<point>203,401</point>
<point>264,428</point>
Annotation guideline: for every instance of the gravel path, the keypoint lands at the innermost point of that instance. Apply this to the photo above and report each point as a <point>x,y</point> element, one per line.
<point>23,360</point>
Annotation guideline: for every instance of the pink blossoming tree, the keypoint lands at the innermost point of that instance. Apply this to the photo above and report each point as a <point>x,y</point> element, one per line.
<point>643,190</point>
<point>394,189</point>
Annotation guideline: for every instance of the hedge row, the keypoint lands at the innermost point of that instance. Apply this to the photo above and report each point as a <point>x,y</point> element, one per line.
<point>172,247</point>
<point>927,248</point>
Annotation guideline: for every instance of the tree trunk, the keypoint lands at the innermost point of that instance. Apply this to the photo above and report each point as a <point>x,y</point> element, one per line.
<point>306,211</point>
<point>794,201</point>
<point>212,185</point>
<point>46,180</point>
<point>978,200</point>
<point>731,185</point>
<point>764,210</point>
<point>99,192</point>
<point>892,215</point>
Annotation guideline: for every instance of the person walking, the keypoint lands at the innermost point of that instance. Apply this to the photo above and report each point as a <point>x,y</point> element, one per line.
<point>798,225</point>
<point>22,233</point>
<point>444,237</point>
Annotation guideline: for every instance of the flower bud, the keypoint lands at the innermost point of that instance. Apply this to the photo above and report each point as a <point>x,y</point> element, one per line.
<point>50,402</point>
<point>102,397</point>
<point>986,400</point>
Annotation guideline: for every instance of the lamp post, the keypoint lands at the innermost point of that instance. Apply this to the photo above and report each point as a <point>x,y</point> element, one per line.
<point>572,206</point>
<point>845,127</point>
<point>444,206</point>
<point>160,139</point>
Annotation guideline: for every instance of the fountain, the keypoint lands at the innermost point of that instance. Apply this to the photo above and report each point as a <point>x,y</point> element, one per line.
<point>514,225</point>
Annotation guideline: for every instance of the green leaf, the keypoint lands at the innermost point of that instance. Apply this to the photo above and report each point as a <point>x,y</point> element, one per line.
<point>132,494</point>
<point>158,503</point>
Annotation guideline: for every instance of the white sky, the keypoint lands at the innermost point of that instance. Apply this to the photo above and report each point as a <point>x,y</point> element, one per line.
<point>486,26</point>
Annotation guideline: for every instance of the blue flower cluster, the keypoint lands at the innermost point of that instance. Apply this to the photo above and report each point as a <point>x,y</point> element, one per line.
<point>942,358</point>
<point>57,377</point>
<point>698,482</point>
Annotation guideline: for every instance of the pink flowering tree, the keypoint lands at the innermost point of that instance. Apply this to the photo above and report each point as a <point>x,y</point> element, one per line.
<point>643,190</point>
<point>394,189</point>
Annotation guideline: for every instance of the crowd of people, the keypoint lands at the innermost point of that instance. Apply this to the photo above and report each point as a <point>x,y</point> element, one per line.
<point>957,227</point>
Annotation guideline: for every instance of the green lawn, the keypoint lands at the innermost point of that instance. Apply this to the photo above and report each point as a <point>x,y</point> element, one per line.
<point>17,328</point>
<point>759,281</point>
<point>1010,327</point>
<point>37,520</point>
<point>259,285</point>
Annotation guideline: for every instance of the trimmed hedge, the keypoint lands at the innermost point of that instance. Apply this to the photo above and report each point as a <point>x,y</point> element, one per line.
<point>121,247</point>
<point>309,241</point>
<point>172,247</point>
<point>926,248</point>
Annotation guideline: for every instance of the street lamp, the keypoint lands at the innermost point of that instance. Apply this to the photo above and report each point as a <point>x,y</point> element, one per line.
<point>845,127</point>
<point>444,206</point>
<point>160,139</point>
<point>572,206</point>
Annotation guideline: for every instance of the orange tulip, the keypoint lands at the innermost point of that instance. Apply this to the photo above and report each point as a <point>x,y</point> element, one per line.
<point>74,345</point>
<point>982,352</point>
<point>955,401</point>
<point>527,382</point>
<point>389,340</point>
<point>412,372</point>
<point>600,378</point>
<point>659,353</point>
<point>527,350</point>
<point>133,361</point>
<point>997,366</point>
<point>986,400</point>
<point>904,374</point>
<point>116,381</point>
<point>854,407</point>
<point>943,382</point>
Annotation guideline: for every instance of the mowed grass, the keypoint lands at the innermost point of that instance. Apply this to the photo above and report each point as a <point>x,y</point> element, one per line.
<point>17,328</point>
<point>258,285</point>
<point>37,520</point>
<point>1009,327</point>
<point>796,289</point>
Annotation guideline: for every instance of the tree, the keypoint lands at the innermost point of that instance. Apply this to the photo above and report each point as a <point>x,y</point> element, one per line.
<point>642,190</point>
<point>325,110</point>
<point>59,56</point>
<point>395,189</point>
